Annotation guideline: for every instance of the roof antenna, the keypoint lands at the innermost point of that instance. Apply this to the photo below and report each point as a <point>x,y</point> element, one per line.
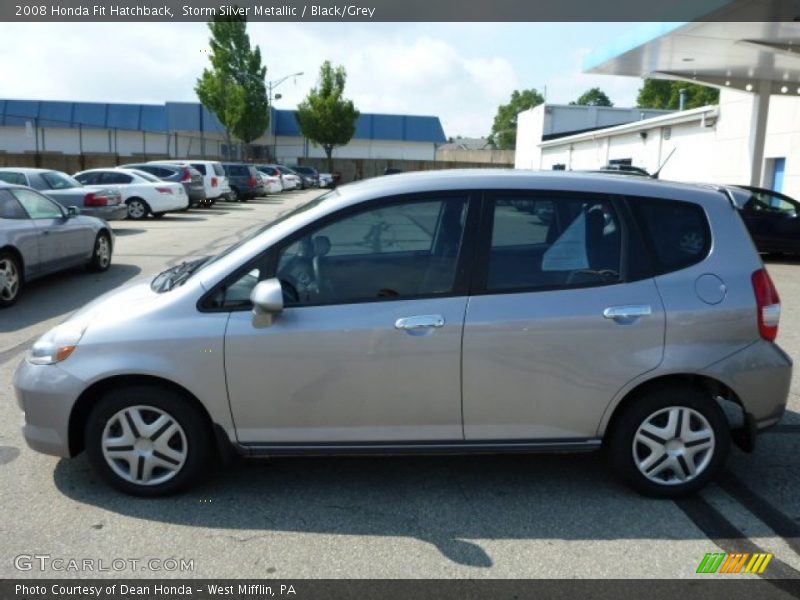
<point>656,174</point>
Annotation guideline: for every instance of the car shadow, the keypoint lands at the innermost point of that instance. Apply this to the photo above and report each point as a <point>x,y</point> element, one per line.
<point>126,231</point>
<point>179,217</point>
<point>447,501</point>
<point>63,292</point>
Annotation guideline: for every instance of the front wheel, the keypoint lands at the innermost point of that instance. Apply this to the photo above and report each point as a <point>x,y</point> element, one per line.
<point>10,279</point>
<point>147,440</point>
<point>670,441</point>
<point>101,254</point>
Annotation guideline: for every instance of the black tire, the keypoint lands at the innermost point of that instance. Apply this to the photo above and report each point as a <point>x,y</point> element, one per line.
<point>10,271</point>
<point>138,209</point>
<point>235,195</point>
<point>193,445</point>
<point>100,261</point>
<point>652,406</point>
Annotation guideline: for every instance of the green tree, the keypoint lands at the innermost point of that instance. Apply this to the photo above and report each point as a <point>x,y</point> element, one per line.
<point>664,93</point>
<point>234,88</point>
<point>325,117</point>
<point>593,97</point>
<point>504,128</point>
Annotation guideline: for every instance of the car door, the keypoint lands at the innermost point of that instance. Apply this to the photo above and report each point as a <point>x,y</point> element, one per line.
<point>367,348</point>
<point>18,231</point>
<point>562,316</point>
<point>63,241</point>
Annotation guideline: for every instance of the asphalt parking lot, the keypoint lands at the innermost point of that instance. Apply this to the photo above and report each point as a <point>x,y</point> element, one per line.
<point>520,516</point>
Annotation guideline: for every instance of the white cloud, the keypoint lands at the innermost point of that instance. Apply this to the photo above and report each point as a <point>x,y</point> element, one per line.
<point>573,82</point>
<point>156,62</point>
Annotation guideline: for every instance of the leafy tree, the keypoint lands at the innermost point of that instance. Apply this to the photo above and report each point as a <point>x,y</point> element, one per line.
<point>234,89</point>
<point>504,128</point>
<point>325,117</point>
<point>664,93</point>
<point>593,97</point>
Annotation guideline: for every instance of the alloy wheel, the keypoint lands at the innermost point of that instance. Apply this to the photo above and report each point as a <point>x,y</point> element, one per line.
<point>137,209</point>
<point>103,251</point>
<point>9,279</point>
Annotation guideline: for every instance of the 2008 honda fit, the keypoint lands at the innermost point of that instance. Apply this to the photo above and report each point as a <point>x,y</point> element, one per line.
<point>451,311</point>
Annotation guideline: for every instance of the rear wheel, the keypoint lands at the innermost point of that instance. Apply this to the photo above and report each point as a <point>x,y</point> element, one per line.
<point>235,196</point>
<point>101,255</point>
<point>137,209</point>
<point>670,441</point>
<point>10,279</point>
<point>147,440</point>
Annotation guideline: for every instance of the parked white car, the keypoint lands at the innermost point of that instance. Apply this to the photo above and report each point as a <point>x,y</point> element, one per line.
<point>271,183</point>
<point>143,193</point>
<point>215,181</point>
<point>325,180</point>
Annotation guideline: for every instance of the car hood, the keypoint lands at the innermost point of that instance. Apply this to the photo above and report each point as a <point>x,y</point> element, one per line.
<point>127,301</point>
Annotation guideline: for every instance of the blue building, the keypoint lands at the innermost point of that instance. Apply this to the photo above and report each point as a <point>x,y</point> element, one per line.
<point>184,129</point>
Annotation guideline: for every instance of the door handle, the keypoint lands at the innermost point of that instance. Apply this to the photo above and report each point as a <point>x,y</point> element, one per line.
<point>419,322</point>
<point>628,313</point>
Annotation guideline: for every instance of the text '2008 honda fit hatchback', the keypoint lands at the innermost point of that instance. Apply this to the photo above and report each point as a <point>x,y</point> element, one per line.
<point>454,311</point>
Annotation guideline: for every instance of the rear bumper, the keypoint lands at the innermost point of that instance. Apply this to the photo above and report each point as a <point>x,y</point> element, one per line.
<point>196,195</point>
<point>760,375</point>
<point>108,213</point>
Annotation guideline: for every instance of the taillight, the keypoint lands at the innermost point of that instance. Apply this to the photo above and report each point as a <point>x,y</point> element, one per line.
<point>187,176</point>
<point>94,199</point>
<point>213,182</point>
<point>768,303</point>
<point>252,182</point>
<point>164,190</point>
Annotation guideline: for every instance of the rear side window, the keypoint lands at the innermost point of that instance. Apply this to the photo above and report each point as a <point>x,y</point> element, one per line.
<point>200,167</point>
<point>677,232</point>
<point>218,170</point>
<point>10,208</point>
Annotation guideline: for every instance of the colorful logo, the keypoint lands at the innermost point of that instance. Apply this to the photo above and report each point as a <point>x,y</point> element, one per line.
<point>721,562</point>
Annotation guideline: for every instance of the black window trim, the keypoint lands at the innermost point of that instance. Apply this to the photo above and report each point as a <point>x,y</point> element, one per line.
<point>483,245</point>
<point>463,277</point>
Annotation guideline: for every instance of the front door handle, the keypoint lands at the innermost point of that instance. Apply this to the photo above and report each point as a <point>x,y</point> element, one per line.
<point>419,322</point>
<point>628,313</point>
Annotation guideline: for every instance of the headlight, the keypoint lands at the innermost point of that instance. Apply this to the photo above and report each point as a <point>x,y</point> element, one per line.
<point>57,344</point>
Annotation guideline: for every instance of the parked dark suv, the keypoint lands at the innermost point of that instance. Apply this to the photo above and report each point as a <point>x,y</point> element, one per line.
<point>244,181</point>
<point>191,179</point>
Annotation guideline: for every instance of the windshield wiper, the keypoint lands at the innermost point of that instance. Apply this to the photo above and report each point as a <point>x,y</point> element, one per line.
<point>177,275</point>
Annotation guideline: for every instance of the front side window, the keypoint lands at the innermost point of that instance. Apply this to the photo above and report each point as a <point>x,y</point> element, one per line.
<point>541,242</point>
<point>38,206</point>
<point>13,177</point>
<point>88,178</point>
<point>772,203</point>
<point>399,250</point>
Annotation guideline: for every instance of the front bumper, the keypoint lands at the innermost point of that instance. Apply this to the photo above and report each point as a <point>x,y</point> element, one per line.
<point>46,394</point>
<point>117,212</point>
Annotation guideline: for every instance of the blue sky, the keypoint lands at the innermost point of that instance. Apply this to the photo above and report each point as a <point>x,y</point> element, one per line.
<point>460,72</point>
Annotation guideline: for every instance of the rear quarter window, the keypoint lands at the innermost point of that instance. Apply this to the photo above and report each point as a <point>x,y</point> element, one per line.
<point>676,232</point>
<point>218,170</point>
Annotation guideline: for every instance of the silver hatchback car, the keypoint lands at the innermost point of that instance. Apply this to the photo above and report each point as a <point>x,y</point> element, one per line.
<point>453,311</point>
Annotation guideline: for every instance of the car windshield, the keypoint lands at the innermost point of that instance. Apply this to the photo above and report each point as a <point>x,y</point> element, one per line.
<point>179,274</point>
<point>60,181</point>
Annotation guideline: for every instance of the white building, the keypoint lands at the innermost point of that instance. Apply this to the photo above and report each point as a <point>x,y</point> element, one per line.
<point>752,137</point>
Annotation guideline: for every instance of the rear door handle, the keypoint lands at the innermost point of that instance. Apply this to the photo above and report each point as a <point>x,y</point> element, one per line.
<point>419,322</point>
<point>628,313</point>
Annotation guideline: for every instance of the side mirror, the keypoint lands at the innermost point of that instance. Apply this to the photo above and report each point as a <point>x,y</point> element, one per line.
<point>267,297</point>
<point>73,211</point>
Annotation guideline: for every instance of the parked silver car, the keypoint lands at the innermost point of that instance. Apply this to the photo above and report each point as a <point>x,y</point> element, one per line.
<point>433,312</point>
<point>103,203</point>
<point>39,237</point>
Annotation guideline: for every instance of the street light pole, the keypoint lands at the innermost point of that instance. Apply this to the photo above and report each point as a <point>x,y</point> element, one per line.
<point>271,85</point>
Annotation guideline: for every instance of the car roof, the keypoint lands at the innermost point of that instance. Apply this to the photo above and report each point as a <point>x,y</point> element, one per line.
<point>511,179</point>
<point>29,170</point>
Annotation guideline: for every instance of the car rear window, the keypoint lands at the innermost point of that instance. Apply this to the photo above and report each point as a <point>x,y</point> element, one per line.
<point>676,232</point>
